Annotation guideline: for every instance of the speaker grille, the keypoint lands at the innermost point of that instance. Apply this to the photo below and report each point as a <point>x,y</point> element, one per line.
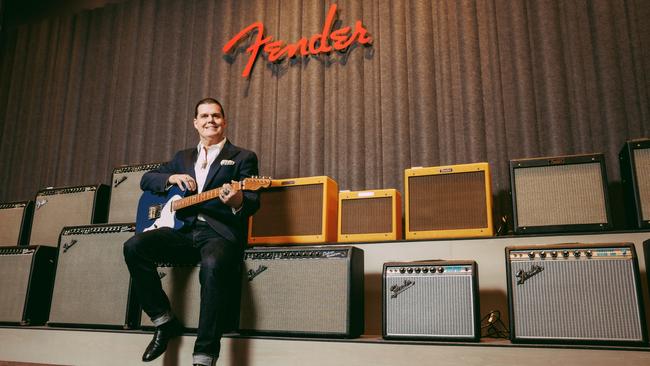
<point>569,194</point>
<point>435,306</point>
<point>15,268</point>
<point>642,164</point>
<point>447,201</point>
<point>92,280</point>
<point>367,215</point>
<point>311,291</point>
<point>53,212</point>
<point>181,284</point>
<point>583,300</point>
<point>290,211</point>
<point>305,296</point>
<point>11,218</point>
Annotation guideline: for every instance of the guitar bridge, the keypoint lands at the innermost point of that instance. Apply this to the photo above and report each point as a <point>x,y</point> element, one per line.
<point>154,212</point>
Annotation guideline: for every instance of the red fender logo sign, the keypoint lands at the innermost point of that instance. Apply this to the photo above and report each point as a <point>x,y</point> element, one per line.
<point>319,43</point>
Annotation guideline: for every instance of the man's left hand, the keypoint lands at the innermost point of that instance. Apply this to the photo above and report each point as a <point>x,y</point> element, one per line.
<point>230,196</point>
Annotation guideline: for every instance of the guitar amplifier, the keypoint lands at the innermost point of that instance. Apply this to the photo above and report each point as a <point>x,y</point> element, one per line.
<point>15,223</point>
<point>564,193</point>
<point>26,277</point>
<point>448,201</point>
<point>125,191</point>
<point>181,284</point>
<point>56,208</point>
<point>432,300</point>
<point>635,176</point>
<point>305,291</point>
<point>575,293</point>
<point>296,210</point>
<point>92,281</point>
<point>370,215</point>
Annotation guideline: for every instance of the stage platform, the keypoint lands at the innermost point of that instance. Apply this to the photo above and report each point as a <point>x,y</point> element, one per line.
<point>84,347</point>
<point>62,346</point>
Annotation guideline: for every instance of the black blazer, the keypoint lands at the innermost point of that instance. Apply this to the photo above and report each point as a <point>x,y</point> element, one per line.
<point>219,216</point>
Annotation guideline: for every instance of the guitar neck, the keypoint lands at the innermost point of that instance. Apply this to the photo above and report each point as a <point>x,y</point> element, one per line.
<point>201,197</point>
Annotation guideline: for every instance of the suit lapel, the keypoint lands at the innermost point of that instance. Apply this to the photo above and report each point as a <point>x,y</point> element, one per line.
<point>226,153</point>
<point>190,161</point>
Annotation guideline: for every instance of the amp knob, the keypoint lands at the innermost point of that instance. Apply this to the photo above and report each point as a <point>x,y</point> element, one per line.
<point>576,254</point>
<point>565,254</point>
<point>542,254</point>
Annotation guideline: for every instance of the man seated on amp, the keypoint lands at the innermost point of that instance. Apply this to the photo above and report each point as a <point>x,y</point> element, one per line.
<point>211,232</point>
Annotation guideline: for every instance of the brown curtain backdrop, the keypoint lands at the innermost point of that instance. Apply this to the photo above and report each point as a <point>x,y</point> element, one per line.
<point>444,82</point>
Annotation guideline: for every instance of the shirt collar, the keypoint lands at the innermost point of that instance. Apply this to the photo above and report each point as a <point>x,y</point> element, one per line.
<point>218,146</point>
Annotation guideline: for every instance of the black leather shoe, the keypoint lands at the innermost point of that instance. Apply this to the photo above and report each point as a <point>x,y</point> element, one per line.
<point>161,337</point>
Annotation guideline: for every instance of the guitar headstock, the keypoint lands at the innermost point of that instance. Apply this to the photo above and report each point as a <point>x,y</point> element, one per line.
<point>255,183</point>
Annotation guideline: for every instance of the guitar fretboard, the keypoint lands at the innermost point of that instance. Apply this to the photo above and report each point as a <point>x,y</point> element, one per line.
<point>201,197</point>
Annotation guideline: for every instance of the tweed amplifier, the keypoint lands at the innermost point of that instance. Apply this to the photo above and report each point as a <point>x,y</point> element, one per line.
<point>575,293</point>
<point>448,201</point>
<point>91,285</point>
<point>15,223</point>
<point>56,208</point>
<point>563,193</point>
<point>296,210</point>
<point>125,191</point>
<point>181,284</point>
<point>306,291</point>
<point>26,276</point>
<point>370,215</point>
<point>431,300</point>
<point>635,176</point>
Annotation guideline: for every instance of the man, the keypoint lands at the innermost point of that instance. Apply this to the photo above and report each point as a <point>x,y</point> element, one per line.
<point>214,234</point>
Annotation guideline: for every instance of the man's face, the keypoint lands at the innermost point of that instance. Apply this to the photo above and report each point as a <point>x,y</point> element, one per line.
<point>210,123</point>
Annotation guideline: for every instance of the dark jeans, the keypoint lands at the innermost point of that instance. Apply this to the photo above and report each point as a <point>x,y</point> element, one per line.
<point>219,274</point>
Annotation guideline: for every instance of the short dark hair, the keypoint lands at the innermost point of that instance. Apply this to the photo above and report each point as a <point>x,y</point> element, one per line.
<point>208,101</point>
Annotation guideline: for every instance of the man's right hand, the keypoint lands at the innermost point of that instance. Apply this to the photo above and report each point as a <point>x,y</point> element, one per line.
<point>183,181</point>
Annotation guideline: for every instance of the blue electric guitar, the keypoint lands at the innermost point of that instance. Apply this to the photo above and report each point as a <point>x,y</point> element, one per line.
<point>157,210</point>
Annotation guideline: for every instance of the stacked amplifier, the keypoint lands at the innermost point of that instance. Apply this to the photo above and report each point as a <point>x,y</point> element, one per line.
<point>635,176</point>
<point>56,208</point>
<point>448,201</point>
<point>296,210</point>
<point>370,215</point>
<point>125,191</point>
<point>562,193</point>
<point>26,282</point>
<point>92,283</point>
<point>15,223</point>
